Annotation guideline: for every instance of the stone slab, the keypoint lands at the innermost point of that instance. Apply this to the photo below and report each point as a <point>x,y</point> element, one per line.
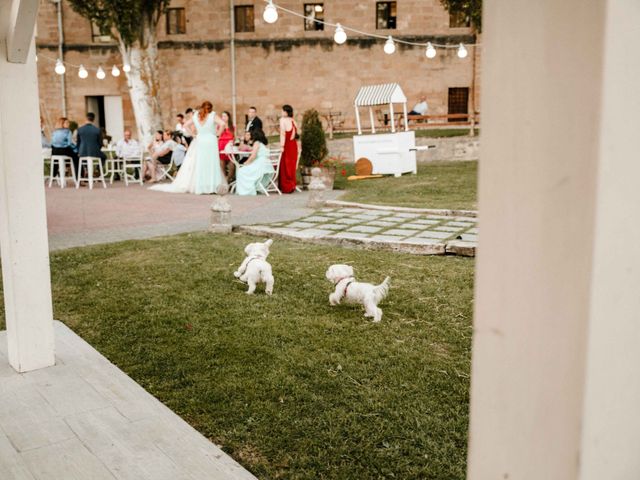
<point>459,247</point>
<point>386,238</point>
<point>400,231</point>
<point>425,221</point>
<point>432,234</point>
<point>332,226</point>
<point>414,226</point>
<point>364,229</point>
<point>383,223</point>
<point>348,235</point>
<point>446,228</point>
<point>348,221</point>
<point>469,238</point>
<point>317,219</point>
<point>470,223</point>
<point>301,225</point>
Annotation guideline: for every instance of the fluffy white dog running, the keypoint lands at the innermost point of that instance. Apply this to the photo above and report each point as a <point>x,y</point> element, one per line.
<point>255,268</point>
<point>367,294</point>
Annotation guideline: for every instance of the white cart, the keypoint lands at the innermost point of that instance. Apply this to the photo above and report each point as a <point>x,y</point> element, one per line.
<point>390,153</point>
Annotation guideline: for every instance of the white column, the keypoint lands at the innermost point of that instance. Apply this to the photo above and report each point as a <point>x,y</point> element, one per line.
<point>372,120</point>
<point>556,349</point>
<point>393,120</point>
<point>358,120</point>
<point>23,222</point>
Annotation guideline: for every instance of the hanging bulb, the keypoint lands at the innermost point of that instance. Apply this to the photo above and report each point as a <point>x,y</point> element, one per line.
<point>100,74</point>
<point>270,14</point>
<point>340,36</point>
<point>115,71</point>
<point>82,72</point>
<point>462,52</point>
<point>389,46</point>
<point>126,68</point>
<point>60,68</point>
<point>431,51</point>
<point>36,58</point>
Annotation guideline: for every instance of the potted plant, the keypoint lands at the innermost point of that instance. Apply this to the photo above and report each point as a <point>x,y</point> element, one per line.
<point>329,167</point>
<point>314,144</point>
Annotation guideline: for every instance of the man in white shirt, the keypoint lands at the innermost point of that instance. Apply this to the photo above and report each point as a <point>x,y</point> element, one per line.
<point>420,108</point>
<point>127,147</point>
<point>180,124</point>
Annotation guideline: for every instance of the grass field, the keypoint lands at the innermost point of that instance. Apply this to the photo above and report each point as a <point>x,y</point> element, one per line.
<point>290,387</point>
<point>437,185</point>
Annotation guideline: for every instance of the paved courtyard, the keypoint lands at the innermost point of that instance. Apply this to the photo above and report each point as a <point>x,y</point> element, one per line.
<point>84,217</point>
<point>412,232</point>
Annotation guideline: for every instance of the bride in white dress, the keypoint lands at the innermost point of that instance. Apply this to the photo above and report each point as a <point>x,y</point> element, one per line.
<point>200,172</point>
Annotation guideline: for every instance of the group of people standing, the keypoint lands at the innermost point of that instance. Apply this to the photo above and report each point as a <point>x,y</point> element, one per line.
<point>205,137</point>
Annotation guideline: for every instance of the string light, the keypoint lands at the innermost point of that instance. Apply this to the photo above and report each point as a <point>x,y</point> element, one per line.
<point>82,72</point>
<point>100,74</point>
<point>340,36</point>
<point>115,71</point>
<point>126,68</point>
<point>462,52</point>
<point>389,46</point>
<point>270,14</point>
<point>60,68</point>
<point>431,51</point>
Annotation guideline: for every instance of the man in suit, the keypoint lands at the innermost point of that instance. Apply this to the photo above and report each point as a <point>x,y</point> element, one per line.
<point>89,140</point>
<point>253,122</point>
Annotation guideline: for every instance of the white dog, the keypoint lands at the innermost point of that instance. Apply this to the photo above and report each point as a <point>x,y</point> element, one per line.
<point>255,268</point>
<point>357,292</point>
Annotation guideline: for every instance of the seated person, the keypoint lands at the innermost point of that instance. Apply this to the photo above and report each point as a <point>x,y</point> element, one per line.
<point>420,108</point>
<point>161,152</point>
<point>127,147</point>
<point>62,143</point>
<point>180,149</point>
<point>245,146</point>
<point>257,170</point>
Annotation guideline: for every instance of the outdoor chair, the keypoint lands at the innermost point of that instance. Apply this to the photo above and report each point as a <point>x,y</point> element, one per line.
<point>91,163</point>
<point>114,166</point>
<point>165,170</point>
<point>46,162</point>
<point>272,186</point>
<point>61,175</point>
<point>133,164</point>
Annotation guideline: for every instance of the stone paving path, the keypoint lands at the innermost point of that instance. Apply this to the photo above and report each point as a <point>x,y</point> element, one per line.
<point>420,233</point>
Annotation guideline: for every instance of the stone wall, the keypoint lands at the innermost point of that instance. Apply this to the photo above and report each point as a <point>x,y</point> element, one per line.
<point>276,64</point>
<point>447,148</point>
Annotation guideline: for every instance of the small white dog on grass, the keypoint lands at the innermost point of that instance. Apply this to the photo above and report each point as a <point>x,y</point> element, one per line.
<point>347,288</point>
<point>255,268</point>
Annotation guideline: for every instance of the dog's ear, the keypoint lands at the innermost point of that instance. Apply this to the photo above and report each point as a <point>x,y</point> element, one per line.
<point>248,249</point>
<point>348,270</point>
<point>268,242</point>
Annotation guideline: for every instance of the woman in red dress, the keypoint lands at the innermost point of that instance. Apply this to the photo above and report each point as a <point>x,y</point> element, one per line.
<point>226,134</point>
<point>289,158</point>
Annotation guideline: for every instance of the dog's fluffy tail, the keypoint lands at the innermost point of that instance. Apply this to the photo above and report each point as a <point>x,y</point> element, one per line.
<point>381,291</point>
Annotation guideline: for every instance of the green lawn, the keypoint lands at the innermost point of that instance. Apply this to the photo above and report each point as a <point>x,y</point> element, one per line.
<point>436,185</point>
<point>290,387</point>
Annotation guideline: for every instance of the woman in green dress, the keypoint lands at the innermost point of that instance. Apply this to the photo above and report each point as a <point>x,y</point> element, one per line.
<point>257,170</point>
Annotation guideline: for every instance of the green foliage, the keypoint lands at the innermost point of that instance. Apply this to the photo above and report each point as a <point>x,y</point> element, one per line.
<point>128,18</point>
<point>291,387</point>
<point>471,8</point>
<point>314,143</point>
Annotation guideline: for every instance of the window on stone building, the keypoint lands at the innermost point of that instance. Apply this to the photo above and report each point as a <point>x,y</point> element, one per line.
<point>313,11</point>
<point>458,103</point>
<point>386,15</point>
<point>244,18</point>
<point>99,35</point>
<point>459,20</point>
<point>176,21</point>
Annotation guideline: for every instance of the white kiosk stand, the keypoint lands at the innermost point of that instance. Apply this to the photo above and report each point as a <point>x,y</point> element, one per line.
<point>390,153</point>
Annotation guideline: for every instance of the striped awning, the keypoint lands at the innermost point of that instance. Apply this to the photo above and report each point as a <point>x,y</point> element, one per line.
<point>371,95</point>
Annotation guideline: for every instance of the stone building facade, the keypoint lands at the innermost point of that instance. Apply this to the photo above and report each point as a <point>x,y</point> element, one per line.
<point>275,63</point>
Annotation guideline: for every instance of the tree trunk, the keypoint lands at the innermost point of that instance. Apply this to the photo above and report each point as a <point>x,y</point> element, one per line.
<point>144,82</point>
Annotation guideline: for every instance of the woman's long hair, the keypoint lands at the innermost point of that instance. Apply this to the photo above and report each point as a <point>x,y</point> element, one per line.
<point>230,122</point>
<point>205,109</point>
<point>257,135</point>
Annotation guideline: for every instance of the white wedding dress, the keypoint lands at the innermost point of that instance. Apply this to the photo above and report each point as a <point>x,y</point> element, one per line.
<point>200,172</point>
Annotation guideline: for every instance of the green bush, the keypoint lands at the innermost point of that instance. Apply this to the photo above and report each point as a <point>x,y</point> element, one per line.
<point>314,143</point>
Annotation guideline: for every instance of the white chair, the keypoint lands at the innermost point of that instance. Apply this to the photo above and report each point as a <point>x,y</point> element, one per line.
<point>272,186</point>
<point>46,162</point>
<point>165,170</point>
<point>298,189</point>
<point>91,163</point>
<point>132,163</point>
<point>61,175</point>
<point>114,166</point>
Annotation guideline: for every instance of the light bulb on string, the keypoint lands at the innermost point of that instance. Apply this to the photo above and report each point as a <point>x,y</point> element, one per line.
<point>389,46</point>
<point>115,71</point>
<point>82,72</point>
<point>36,58</point>
<point>60,68</point>
<point>340,36</point>
<point>126,68</point>
<point>100,74</point>
<point>462,52</point>
<point>431,51</point>
<point>270,14</point>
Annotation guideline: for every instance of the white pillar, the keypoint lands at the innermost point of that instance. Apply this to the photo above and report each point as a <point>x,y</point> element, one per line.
<point>23,222</point>
<point>358,120</point>
<point>393,120</point>
<point>556,349</point>
<point>372,120</point>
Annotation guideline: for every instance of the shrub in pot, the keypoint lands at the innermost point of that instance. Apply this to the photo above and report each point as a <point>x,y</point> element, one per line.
<point>314,144</point>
